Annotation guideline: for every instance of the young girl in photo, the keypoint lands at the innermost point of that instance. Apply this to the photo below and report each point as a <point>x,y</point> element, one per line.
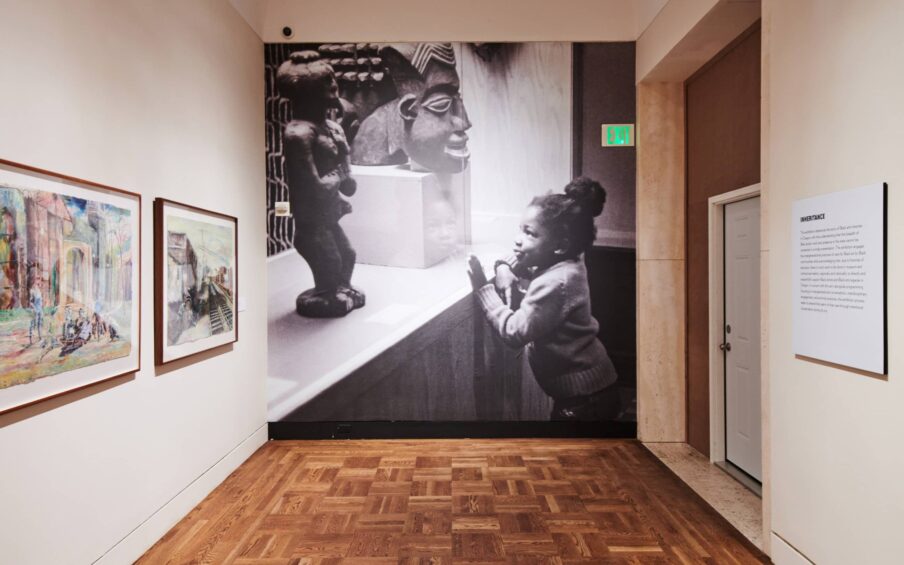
<point>553,320</point>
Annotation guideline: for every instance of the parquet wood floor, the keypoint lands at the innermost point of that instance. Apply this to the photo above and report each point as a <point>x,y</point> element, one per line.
<point>452,501</point>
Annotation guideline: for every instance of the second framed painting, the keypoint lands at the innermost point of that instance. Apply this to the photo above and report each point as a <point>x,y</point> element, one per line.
<point>195,280</point>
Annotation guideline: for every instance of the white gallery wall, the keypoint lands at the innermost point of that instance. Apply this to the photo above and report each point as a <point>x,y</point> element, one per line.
<point>834,88</point>
<point>463,20</point>
<point>165,99</point>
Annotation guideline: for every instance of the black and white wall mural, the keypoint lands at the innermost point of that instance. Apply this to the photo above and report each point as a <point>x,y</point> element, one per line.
<point>448,240</point>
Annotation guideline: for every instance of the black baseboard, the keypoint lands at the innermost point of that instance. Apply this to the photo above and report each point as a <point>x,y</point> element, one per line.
<point>450,430</point>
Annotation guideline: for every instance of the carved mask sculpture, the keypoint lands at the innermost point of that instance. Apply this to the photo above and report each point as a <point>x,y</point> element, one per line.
<point>427,122</point>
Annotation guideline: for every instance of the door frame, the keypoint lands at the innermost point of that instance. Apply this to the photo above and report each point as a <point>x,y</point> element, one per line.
<point>716,214</point>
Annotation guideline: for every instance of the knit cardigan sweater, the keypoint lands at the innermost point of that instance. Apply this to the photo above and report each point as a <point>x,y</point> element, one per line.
<point>555,324</point>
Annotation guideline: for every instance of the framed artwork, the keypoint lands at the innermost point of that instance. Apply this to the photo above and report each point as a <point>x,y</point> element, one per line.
<point>70,282</point>
<point>195,280</point>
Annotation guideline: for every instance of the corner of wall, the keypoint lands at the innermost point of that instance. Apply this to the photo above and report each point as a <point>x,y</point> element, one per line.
<point>146,534</point>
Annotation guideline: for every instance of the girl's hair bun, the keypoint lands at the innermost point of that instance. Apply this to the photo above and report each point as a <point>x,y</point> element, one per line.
<point>587,193</point>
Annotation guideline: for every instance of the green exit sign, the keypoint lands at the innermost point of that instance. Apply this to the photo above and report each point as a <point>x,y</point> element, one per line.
<point>618,135</point>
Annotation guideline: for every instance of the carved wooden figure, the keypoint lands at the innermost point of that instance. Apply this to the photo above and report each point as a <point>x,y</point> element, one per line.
<point>317,170</point>
<point>428,120</point>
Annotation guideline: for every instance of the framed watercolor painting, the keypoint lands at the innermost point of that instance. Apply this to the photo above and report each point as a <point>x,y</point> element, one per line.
<point>195,280</point>
<point>70,276</point>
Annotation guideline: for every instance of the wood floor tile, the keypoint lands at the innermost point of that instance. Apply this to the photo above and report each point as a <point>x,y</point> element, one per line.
<point>472,487</point>
<point>386,504</point>
<point>583,545</point>
<point>553,487</point>
<point>475,524</point>
<point>424,503</point>
<point>529,544</point>
<point>321,545</point>
<point>433,462</point>
<point>508,473</point>
<point>400,461</point>
<point>374,544</point>
<point>431,488</point>
<point>467,473</point>
<point>394,474</point>
<point>429,523</point>
<point>389,523</point>
<point>357,473</point>
<point>513,487</point>
<point>570,523</point>
<point>522,523</point>
<point>349,487</point>
<point>473,504</point>
<point>517,503</point>
<point>530,559</point>
<point>437,560</point>
<point>285,522</point>
<point>446,502</point>
<point>558,504</point>
<point>265,545</point>
<point>341,504</point>
<point>390,487</point>
<point>432,474</point>
<point>317,474</point>
<point>361,463</point>
<point>265,561</point>
<point>295,503</point>
<point>469,462</point>
<point>333,523</point>
<point>425,545</point>
<point>471,546</point>
<point>505,461</point>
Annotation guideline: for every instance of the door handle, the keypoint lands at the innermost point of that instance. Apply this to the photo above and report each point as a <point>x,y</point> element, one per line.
<point>725,346</point>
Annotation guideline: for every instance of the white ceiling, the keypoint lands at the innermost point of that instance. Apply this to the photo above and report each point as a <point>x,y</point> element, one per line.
<point>461,20</point>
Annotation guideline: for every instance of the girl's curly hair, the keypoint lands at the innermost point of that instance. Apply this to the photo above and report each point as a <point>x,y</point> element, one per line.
<point>569,215</point>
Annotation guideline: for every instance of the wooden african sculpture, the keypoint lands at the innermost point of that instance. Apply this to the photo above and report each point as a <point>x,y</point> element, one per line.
<point>426,123</point>
<point>317,171</point>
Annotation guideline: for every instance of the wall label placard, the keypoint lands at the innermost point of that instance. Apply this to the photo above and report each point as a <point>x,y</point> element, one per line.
<point>838,275</point>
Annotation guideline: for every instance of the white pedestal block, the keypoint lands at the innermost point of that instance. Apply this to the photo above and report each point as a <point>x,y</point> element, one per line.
<point>404,218</point>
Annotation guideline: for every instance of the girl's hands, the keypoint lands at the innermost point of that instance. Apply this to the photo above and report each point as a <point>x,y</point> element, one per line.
<point>505,282</point>
<point>475,272</point>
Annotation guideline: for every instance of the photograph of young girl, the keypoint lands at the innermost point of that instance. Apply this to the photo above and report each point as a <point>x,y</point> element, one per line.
<point>552,319</point>
<point>393,171</point>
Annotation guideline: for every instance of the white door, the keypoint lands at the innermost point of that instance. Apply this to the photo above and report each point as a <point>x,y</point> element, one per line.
<point>742,336</point>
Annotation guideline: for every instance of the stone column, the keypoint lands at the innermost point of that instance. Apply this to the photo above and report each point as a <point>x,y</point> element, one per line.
<point>661,310</point>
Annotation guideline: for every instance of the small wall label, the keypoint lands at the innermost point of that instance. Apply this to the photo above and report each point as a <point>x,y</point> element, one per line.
<point>618,135</point>
<point>282,209</point>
